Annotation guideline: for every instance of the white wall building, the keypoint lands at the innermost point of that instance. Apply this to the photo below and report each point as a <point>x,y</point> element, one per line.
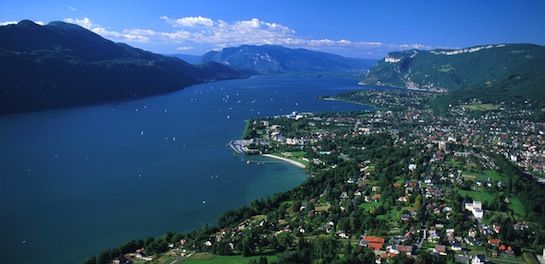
<point>476,209</point>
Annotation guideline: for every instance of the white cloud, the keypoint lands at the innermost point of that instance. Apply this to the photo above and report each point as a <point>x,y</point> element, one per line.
<point>85,22</point>
<point>184,48</point>
<point>191,32</point>
<point>189,21</point>
<point>5,23</point>
<point>219,32</point>
<point>73,8</point>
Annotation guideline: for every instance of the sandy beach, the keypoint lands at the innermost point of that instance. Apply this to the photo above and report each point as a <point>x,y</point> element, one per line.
<point>298,164</point>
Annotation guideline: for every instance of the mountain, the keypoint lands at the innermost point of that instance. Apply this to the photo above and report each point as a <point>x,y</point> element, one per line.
<point>505,72</point>
<point>269,59</point>
<point>193,59</point>
<point>63,65</point>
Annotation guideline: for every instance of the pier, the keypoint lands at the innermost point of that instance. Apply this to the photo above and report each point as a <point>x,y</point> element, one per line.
<point>239,146</point>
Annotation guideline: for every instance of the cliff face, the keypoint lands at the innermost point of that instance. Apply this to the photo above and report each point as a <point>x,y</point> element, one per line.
<point>505,68</point>
<point>62,65</point>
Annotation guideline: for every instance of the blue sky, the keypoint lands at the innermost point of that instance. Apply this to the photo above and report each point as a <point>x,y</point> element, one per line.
<point>355,28</point>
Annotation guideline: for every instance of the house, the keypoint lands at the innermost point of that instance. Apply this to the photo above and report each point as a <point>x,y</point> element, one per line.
<point>520,226</point>
<point>494,242</point>
<point>375,246</point>
<point>456,246</point>
<point>405,217</point>
<point>433,236</point>
<point>478,259</point>
<point>373,242</point>
<point>507,250</point>
<point>342,234</point>
<point>440,249</point>
<point>496,227</point>
<point>472,241</point>
<point>405,249</point>
<point>121,260</point>
<point>476,209</point>
<point>472,232</point>
<point>408,236</point>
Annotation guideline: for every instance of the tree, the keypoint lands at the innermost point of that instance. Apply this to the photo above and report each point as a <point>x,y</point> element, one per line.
<point>324,248</point>
<point>367,257</point>
<point>263,260</point>
<point>285,240</point>
<point>248,244</point>
<point>295,206</point>
<point>91,260</point>
<point>427,258</point>
<point>107,256</point>
<point>402,258</point>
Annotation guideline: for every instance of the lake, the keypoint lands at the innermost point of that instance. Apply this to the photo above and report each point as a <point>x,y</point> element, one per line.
<point>74,182</point>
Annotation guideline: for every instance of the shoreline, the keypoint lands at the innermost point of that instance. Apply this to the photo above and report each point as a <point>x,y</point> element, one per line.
<point>296,163</point>
<point>351,102</point>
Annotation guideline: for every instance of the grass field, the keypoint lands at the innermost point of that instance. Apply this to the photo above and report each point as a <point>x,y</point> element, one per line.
<point>530,257</point>
<point>494,176</point>
<point>481,107</point>
<point>369,205</point>
<point>473,176</point>
<point>211,259</point>
<point>517,206</point>
<point>476,195</point>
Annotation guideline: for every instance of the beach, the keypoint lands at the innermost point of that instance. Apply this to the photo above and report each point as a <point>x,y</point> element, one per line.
<point>298,164</point>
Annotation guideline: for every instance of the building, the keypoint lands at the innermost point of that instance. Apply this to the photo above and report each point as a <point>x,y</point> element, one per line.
<point>373,242</point>
<point>440,249</point>
<point>478,259</point>
<point>476,209</point>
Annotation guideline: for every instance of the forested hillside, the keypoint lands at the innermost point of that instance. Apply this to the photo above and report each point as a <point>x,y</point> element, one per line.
<point>511,73</point>
<point>62,65</point>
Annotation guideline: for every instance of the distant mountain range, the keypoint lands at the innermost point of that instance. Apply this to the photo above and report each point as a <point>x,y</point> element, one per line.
<point>63,65</point>
<point>270,59</point>
<point>495,73</point>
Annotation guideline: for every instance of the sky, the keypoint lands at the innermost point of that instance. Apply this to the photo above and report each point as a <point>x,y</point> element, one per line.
<point>352,28</point>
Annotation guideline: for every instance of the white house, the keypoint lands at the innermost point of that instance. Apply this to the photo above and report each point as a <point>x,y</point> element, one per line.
<point>478,259</point>
<point>475,208</point>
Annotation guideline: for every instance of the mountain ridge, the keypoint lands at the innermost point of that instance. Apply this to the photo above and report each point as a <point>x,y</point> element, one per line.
<point>492,73</point>
<point>420,69</point>
<point>61,65</point>
<point>273,59</point>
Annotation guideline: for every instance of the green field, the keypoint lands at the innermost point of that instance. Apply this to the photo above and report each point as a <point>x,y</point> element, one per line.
<point>210,258</point>
<point>516,206</point>
<point>476,195</point>
<point>530,257</point>
<point>369,205</point>
<point>494,176</point>
<point>481,107</point>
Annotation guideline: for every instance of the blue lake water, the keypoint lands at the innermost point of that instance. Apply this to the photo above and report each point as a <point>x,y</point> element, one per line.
<point>74,182</point>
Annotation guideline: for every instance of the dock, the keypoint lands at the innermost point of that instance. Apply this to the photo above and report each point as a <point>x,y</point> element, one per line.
<point>239,146</point>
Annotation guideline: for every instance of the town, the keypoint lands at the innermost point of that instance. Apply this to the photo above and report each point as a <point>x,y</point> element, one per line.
<point>399,184</point>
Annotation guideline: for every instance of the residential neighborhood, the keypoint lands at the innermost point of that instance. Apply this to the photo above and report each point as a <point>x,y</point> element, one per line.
<point>400,186</point>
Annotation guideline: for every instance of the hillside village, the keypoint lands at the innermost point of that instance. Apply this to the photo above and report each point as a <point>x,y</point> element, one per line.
<point>391,186</point>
